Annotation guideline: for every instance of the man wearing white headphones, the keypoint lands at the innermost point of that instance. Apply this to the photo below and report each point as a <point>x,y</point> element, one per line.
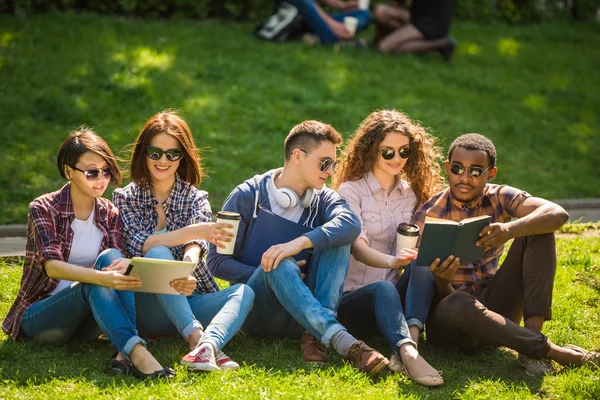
<point>287,300</point>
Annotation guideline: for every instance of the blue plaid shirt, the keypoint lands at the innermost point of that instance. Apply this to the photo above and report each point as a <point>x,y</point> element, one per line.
<point>185,205</point>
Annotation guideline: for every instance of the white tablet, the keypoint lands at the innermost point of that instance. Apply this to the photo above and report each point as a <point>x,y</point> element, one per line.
<point>156,274</point>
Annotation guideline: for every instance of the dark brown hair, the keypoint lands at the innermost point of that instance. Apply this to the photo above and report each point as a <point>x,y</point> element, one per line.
<point>169,123</point>
<point>308,135</point>
<point>81,141</point>
<point>421,170</point>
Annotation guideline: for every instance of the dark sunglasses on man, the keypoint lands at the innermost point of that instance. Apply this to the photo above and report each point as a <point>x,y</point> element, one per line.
<point>155,153</point>
<point>475,172</point>
<point>325,164</point>
<point>93,174</point>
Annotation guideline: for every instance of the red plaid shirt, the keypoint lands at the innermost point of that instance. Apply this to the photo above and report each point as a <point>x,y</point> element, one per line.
<point>49,237</point>
<point>499,201</point>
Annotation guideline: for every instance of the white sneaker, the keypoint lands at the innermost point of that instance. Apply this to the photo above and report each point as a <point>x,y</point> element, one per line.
<point>225,363</point>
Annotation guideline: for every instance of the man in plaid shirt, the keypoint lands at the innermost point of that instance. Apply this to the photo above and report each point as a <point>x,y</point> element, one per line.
<point>480,302</point>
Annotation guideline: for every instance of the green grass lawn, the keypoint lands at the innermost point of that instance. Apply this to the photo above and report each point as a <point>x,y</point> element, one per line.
<point>531,89</point>
<point>273,368</point>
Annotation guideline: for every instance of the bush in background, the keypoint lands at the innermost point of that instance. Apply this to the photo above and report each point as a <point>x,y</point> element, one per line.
<point>514,11</point>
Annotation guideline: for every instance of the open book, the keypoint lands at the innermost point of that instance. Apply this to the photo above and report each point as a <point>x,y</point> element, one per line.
<point>443,237</point>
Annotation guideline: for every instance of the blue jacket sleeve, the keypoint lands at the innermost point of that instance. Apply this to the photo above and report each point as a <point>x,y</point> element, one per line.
<point>227,267</point>
<point>342,226</point>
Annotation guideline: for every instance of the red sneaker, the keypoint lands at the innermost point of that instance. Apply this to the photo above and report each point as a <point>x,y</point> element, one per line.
<point>202,358</point>
<point>226,363</point>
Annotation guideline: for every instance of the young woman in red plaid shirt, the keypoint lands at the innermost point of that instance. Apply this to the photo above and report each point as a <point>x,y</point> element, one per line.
<point>73,285</point>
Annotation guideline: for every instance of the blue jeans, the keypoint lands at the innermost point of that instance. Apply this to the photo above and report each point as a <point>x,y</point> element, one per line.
<point>223,312</point>
<point>284,303</point>
<point>83,311</point>
<point>318,26</point>
<point>379,306</point>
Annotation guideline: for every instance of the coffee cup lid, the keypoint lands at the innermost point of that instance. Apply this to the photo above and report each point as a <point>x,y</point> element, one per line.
<point>407,229</point>
<point>229,215</point>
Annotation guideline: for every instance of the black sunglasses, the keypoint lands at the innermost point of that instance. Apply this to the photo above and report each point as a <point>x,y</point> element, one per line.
<point>475,172</point>
<point>388,153</point>
<point>325,164</point>
<point>154,153</point>
<point>93,174</point>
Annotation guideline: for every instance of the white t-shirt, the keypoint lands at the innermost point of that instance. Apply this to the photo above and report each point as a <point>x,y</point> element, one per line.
<point>293,213</point>
<point>85,248</point>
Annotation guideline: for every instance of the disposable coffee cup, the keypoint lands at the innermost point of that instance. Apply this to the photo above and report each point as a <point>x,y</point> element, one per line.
<point>232,218</point>
<point>407,236</point>
<point>351,23</point>
<point>363,4</point>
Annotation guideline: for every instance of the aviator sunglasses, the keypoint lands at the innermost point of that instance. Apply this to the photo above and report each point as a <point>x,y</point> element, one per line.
<point>93,174</point>
<point>154,153</point>
<point>388,153</point>
<point>475,172</point>
<point>325,164</point>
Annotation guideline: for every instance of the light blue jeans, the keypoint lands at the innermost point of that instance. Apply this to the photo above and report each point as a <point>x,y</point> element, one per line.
<point>223,312</point>
<point>284,303</point>
<point>318,26</point>
<point>379,306</point>
<point>83,311</point>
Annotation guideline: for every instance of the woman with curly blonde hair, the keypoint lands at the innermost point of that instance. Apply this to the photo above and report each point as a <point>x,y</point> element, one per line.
<point>387,170</point>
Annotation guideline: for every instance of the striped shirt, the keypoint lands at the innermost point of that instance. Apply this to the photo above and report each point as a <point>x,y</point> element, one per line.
<point>379,215</point>
<point>499,201</point>
<point>49,237</point>
<point>185,205</point>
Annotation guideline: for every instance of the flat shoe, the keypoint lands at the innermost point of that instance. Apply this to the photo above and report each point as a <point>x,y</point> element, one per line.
<point>427,380</point>
<point>119,367</point>
<point>165,373</point>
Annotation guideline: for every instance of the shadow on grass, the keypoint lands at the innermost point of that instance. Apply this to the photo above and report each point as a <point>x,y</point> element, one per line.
<point>265,362</point>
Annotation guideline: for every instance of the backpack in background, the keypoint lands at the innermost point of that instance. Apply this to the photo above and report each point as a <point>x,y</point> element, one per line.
<point>285,24</point>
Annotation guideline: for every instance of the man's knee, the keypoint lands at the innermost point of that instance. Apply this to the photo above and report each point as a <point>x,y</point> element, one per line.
<point>456,306</point>
<point>287,269</point>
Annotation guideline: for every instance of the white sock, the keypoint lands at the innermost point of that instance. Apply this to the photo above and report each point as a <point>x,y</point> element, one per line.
<point>342,341</point>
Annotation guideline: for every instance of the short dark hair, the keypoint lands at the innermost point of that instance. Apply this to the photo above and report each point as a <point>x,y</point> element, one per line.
<point>475,141</point>
<point>81,141</point>
<point>308,135</point>
<point>169,123</point>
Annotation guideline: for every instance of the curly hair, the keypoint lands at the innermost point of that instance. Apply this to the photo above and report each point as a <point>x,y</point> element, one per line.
<point>422,169</point>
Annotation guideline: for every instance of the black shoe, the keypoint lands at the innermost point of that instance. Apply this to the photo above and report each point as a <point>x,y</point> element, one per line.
<point>119,367</point>
<point>165,373</point>
<point>448,50</point>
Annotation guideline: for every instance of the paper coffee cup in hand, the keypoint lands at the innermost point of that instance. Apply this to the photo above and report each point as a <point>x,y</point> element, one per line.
<point>363,4</point>
<point>351,23</point>
<point>233,218</point>
<point>407,236</point>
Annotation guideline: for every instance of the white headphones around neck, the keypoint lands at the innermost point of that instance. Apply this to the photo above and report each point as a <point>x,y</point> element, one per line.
<point>287,198</point>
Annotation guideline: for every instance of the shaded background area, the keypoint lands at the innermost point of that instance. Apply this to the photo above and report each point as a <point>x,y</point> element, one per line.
<point>531,89</point>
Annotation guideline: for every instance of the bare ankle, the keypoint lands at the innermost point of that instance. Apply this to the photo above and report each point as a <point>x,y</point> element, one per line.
<point>415,331</point>
<point>194,338</point>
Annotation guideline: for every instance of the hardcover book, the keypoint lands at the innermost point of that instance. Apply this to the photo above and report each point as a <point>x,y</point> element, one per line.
<point>443,237</point>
